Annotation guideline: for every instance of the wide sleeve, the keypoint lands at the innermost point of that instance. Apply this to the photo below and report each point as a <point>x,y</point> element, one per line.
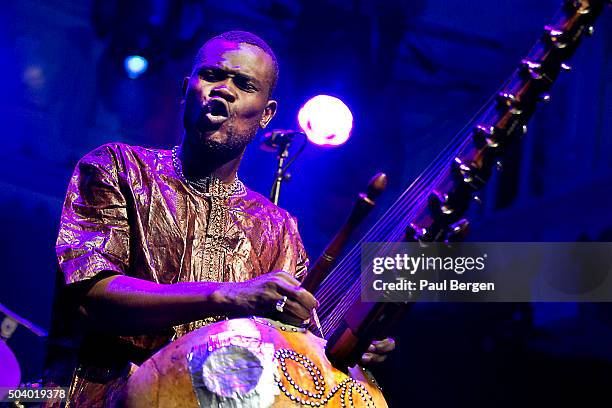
<point>292,256</point>
<point>94,231</point>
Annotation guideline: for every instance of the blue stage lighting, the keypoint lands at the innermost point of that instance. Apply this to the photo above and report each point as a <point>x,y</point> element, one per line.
<point>135,65</point>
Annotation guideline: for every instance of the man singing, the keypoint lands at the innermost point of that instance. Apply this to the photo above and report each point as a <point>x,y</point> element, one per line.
<point>156,243</point>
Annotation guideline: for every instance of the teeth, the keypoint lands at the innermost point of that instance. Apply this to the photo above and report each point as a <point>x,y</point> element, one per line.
<point>215,119</point>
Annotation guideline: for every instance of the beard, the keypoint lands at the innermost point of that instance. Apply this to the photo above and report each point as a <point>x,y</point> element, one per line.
<point>230,145</point>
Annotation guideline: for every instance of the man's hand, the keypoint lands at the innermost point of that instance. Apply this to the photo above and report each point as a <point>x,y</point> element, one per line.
<point>378,351</point>
<point>259,297</point>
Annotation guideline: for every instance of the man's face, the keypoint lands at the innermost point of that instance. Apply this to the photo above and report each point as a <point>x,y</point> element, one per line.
<point>226,97</point>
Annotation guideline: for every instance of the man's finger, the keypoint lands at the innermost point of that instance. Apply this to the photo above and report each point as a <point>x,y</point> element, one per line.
<point>296,309</point>
<point>286,277</point>
<point>299,302</point>
<point>371,358</point>
<point>382,346</point>
<point>296,292</point>
<point>306,299</point>
<point>300,295</point>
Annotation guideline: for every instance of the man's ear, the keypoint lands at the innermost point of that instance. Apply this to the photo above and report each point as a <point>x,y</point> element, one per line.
<point>269,112</point>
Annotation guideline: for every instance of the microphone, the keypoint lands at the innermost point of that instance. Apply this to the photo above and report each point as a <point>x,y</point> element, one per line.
<point>278,138</point>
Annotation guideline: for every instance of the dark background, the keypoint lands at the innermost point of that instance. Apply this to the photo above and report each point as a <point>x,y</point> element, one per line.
<point>413,73</point>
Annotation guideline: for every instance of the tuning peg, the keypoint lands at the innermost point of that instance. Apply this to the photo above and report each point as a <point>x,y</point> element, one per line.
<point>590,30</point>
<point>506,98</point>
<point>465,170</point>
<point>482,135</point>
<point>460,225</point>
<point>578,6</point>
<point>468,174</point>
<point>524,129</point>
<point>415,233</point>
<point>477,199</point>
<point>499,165</point>
<point>439,202</point>
<point>376,186</point>
<point>553,32</point>
<point>441,197</point>
<point>566,67</point>
<point>532,68</point>
<point>531,64</point>
<point>545,97</point>
<point>458,231</point>
<point>581,7</point>
<point>555,35</point>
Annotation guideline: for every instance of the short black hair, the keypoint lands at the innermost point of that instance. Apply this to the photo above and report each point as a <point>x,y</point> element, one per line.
<point>246,38</point>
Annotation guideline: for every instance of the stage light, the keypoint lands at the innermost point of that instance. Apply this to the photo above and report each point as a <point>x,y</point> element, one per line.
<point>135,66</point>
<point>326,120</point>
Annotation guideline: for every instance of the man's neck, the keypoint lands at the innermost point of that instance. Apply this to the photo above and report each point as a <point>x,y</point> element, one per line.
<point>198,165</point>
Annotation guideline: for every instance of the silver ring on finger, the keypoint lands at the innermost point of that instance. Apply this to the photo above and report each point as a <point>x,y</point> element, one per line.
<point>280,304</point>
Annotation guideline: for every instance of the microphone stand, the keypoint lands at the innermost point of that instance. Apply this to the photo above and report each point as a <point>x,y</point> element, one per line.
<point>280,176</point>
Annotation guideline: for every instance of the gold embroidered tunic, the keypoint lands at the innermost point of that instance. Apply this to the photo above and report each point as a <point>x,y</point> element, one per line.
<point>128,212</point>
